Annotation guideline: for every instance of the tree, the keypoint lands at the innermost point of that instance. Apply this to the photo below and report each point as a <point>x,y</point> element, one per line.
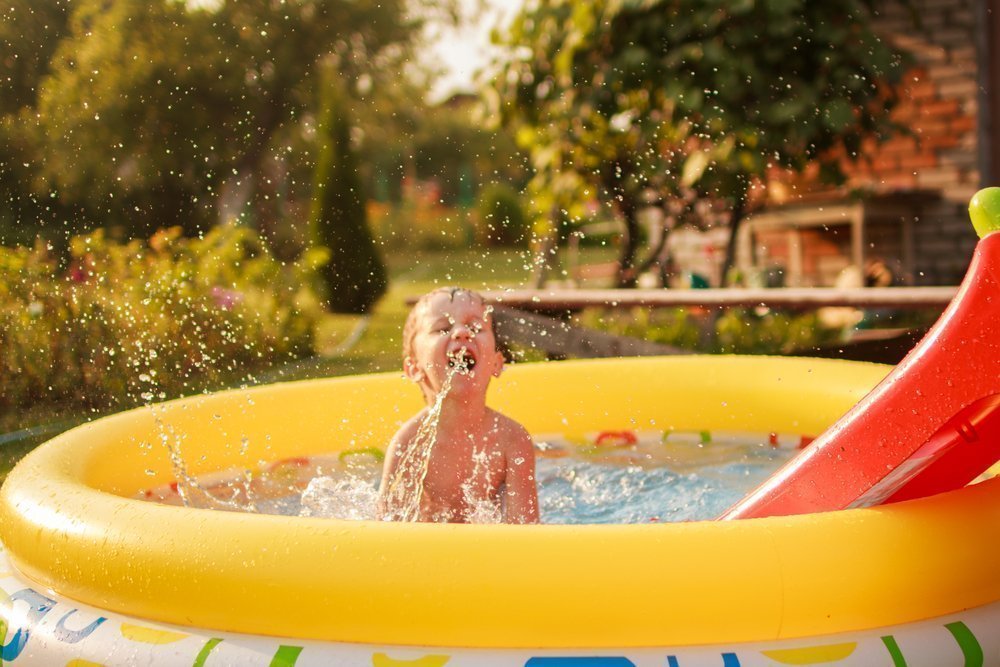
<point>447,142</point>
<point>679,103</point>
<point>29,33</point>
<point>162,112</point>
<point>355,275</point>
<point>502,214</point>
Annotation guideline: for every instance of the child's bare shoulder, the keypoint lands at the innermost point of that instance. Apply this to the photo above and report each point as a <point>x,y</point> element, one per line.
<point>513,437</point>
<point>408,430</point>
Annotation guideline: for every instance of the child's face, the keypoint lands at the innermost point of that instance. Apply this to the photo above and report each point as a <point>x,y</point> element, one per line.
<point>453,329</point>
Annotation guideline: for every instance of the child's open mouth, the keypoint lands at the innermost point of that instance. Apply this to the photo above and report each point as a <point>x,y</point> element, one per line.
<point>461,360</point>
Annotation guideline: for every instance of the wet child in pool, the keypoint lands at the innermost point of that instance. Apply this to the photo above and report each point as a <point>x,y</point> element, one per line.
<point>457,460</point>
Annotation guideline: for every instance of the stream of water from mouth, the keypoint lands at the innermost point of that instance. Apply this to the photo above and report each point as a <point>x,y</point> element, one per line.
<point>405,487</point>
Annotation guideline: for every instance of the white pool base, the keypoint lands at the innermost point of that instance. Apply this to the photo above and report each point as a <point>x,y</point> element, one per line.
<point>42,629</point>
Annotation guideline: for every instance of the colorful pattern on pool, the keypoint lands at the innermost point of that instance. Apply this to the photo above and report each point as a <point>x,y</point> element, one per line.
<point>38,628</point>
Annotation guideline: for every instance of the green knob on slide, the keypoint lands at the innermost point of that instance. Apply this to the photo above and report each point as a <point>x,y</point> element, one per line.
<point>984,209</point>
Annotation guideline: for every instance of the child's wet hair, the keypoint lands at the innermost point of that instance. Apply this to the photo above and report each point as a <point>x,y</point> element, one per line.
<point>409,329</point>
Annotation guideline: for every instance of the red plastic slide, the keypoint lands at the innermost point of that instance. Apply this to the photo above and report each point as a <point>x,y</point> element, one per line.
<point>931,425</point>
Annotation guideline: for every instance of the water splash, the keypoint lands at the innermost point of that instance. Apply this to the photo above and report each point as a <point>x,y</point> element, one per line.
<point>190,490</point>
<point>480,509</point>
<point>405,488</point>
<point>651,480</point>
<point>349,497</point>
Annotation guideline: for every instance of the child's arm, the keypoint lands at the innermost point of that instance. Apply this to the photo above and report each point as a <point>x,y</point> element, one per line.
<point>521,494</point>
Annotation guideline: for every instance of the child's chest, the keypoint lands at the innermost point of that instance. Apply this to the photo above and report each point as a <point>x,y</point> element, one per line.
<point>456,474</point>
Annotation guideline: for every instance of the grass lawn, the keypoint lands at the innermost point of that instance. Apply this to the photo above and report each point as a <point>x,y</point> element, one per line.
<point>379,348</point>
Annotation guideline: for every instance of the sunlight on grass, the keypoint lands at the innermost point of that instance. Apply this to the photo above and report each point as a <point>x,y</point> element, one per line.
<point>379,348</point>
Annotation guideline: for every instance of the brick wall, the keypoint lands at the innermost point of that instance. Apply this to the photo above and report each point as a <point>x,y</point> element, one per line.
<point>939,106</point>
<point>939,154</point>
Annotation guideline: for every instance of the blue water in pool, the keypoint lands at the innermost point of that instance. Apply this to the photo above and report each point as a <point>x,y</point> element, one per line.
<point>627,478</point>
<point>683,479</point>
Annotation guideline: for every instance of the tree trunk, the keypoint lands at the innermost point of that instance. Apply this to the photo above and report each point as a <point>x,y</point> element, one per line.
<point>736,219</point>
<point>546,258</point>
<point>627,274</point>
<point>659,253</point>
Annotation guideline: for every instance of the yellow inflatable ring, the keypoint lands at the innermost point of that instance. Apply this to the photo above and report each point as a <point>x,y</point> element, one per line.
<point>69,524</point>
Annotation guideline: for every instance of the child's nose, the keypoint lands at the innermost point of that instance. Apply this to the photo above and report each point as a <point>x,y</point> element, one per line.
<point>461,331</point>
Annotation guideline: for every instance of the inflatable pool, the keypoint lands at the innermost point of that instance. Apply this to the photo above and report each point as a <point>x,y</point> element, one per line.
<point>94,576</point>
<point>853,584</point>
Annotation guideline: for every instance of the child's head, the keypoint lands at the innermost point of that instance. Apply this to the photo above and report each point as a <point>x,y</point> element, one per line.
<point>450,326</point>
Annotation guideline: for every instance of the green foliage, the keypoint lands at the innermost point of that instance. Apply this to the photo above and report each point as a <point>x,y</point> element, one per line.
<point>174,110</point>
<point>462,156</point>
<point>671,326</point>
<point>669,101</point>
<point>426,176</point>
<point>418,222</point>
<point>30,30</point>
<point>502,216</point>
<point>355,276</point>
<point>125,323</point>
<point>744,331</point>
<point>449,145</point>
<point>133,115</point>
<point>736,331</point>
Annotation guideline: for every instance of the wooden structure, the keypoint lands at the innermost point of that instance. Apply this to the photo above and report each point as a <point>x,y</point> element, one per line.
<point>850,231</point>
<point>537,318</point>
<point>562,300</point>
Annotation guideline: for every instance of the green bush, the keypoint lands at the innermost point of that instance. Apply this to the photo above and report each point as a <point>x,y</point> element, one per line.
<point>502,216</point>
<point>670,326</point>
<point>736,331</point>
<point>141,321</point>
<point>743,331</point>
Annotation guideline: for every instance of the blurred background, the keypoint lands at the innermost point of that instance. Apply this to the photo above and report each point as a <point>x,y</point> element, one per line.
<point>209,193</point>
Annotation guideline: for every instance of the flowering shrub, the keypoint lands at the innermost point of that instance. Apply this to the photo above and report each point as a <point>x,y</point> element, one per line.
<point>140,321</point>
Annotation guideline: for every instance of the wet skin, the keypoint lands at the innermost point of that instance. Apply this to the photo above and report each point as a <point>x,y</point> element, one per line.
<point>479,455</point>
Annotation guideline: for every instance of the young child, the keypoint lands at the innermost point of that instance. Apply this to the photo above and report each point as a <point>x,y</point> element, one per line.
<point>457,460</point>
